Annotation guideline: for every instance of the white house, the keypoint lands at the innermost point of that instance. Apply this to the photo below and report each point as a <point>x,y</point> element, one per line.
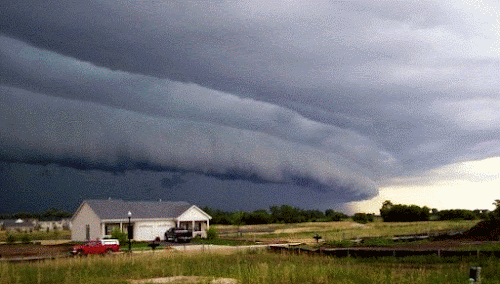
<point>148,219</point>
<point>63,224</point>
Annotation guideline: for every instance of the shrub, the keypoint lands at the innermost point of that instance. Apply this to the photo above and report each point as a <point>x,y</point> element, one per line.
<point>11,238</point>
<point>25,238</point>
<point>119,235</point>
<point>56,233</point>
<point>212,233</point>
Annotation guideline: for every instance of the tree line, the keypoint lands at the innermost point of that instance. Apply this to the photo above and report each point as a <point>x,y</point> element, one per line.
<point>275,214</point>
<point>51,214</point>
<point>389,212</point>
<point>409,213</point>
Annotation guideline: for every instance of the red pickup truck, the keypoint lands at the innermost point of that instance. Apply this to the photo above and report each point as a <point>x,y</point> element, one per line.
<point>97,247</point>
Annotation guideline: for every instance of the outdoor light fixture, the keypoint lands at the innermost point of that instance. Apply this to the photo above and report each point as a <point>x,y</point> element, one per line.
<point>129,232</point>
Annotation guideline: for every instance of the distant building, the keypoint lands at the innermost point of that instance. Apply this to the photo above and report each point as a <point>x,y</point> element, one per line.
<point>18,225</point>
<point>149,219</point>
<point>63,224</point>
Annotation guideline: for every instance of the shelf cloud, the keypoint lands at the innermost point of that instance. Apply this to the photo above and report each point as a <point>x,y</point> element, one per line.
<point>271,99</point>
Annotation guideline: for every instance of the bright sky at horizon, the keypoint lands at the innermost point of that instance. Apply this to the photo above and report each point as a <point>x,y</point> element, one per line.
<point>468,185</point>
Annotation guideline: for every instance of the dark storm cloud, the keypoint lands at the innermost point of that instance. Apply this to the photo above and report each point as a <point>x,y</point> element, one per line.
<point>167,182</point>
<point>42,129</point>
<point>335,96</point>
<point>169,99</point>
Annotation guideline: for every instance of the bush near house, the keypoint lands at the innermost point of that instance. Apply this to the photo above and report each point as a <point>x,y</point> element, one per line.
<point>119,235</point>
<point>212,233</point>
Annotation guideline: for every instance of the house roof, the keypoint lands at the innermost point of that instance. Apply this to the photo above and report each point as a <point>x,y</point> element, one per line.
<point>118,209</point>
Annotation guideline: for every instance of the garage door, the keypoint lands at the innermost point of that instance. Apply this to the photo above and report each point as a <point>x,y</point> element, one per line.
<point>150,230</point>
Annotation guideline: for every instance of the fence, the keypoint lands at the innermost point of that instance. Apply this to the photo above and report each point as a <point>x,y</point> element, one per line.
<point>367,252</point>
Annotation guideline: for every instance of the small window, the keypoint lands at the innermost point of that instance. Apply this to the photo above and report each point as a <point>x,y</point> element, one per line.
<point>87,232</point>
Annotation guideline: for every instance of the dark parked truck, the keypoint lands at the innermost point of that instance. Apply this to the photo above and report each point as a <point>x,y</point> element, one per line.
<point>97,247</point>
<point>178,235</point>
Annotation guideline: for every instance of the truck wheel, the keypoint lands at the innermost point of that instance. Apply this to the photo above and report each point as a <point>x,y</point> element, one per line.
<point>79,253</point>
<point>108,252</point>
<point>176,240</point>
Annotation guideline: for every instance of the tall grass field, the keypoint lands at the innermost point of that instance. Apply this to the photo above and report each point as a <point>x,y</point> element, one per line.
<point>337,231</point>
<point>248,267</point>
<point>261,266</point>
<point>36,235</point>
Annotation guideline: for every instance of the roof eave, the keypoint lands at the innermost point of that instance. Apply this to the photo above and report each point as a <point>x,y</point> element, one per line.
<point>125,220</point>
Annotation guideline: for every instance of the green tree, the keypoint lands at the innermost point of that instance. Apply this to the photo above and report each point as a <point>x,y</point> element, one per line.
<point>495,214</point>
<point>218,216</point>
<point>332,216</point>
<point>237,218</point>
<point>257,217</point>
<point>363,218</point>
<point>313,215</point>
<point>387,205</point>
<point>456,214</point>
<point>403,213</point>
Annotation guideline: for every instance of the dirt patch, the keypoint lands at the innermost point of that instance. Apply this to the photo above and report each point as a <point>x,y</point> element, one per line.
<point>26,250</point>
<point>187,279</point>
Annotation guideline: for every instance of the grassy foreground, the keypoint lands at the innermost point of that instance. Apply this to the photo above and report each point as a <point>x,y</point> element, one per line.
<point>249,267</point>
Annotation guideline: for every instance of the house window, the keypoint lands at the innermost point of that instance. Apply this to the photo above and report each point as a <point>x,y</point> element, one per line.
<point>87,232</point>
<point>110,227</point>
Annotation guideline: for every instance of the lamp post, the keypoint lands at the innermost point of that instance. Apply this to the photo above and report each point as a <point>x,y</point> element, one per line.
<point>128,232</point>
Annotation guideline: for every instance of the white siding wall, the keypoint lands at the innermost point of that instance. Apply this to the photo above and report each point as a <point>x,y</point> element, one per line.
<point>193,214</point>
<point>149,230</point>
<point>83,218</point>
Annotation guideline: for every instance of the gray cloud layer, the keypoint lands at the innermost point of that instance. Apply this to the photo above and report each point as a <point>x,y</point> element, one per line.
<point>337,96</point>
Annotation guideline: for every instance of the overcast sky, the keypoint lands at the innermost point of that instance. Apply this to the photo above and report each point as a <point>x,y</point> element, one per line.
<point>245,104</point>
